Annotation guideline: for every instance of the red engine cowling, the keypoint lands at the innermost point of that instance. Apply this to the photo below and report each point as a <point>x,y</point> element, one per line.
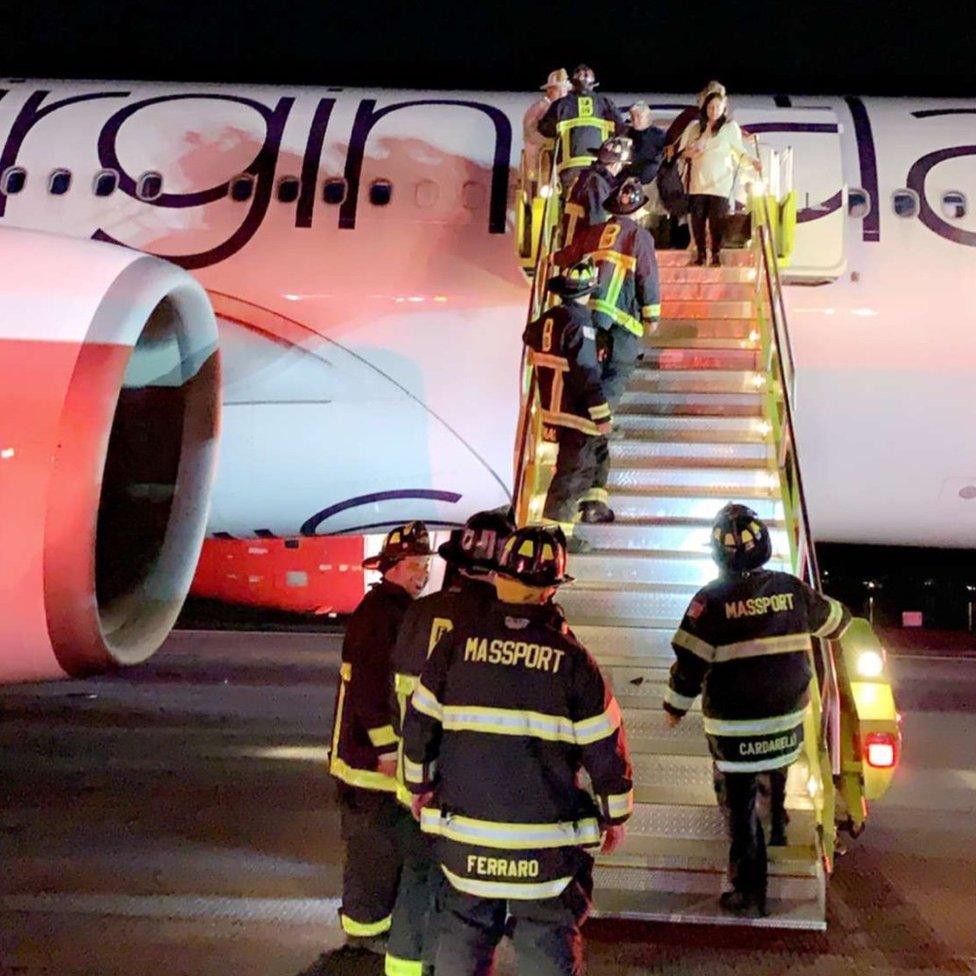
<point>109,414</point>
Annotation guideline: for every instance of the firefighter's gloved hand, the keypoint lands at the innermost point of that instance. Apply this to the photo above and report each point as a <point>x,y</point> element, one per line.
<point>613,838</point>
<point>419,801</point>
<point>651,324</point>
<point>605,428</point>
<point>672,719</point>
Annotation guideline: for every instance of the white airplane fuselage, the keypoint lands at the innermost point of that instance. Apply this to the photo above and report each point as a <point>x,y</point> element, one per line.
<point>371,349</point>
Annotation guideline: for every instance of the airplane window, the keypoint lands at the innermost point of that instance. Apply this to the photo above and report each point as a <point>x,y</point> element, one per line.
<point>905,203</point>
<point>380,193</point>
<point>150,186</point>
<point>426,193</point>
<point>953,205</point>
<point>59,182</point>
<point>14,180</point>
<point>288,189</point>
<point>858,202</point>
<point>106,183</point>
<point>473,195</point>
<point>334,191</point>
<point>241,188</point>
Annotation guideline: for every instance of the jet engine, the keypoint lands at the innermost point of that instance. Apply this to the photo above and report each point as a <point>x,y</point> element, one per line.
<point>109,416</point>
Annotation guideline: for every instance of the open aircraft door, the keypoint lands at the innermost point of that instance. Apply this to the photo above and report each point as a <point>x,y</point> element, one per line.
<point>811,137</point>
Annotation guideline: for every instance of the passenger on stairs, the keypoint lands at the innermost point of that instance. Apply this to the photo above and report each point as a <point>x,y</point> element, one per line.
<point>584,205</point>
<point>580,120</point>
<point>744,644</point>
<point>509,711</point>
<point>627,301</point>
<point>376,829</point>
<point>648,142</point>
<point>714,147</point>
<point>557,85</point>
<point>575,413</point>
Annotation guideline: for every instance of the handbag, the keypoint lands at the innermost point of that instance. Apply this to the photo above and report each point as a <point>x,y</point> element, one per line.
<point>671,187</point>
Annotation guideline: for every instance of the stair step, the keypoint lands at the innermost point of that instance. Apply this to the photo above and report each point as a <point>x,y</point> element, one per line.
<point>697,855</point>
<point>670,274</point>
<point>691,357</point>
<point>617,645</point>
<point>692,429</point>
<point>731,453</point>
<point>733,257</point>
<point>691,332</point>
<point>683,339</point>
<point>709,291</point>
<point>696,381</point>
<point>642,538</point>
<point>646,566</point>
<point>648,732</point>
<point>664,503</point>
<point>655,605</point>
<point>698,404</point>
<point>724,482</point>
<point>699,309</point>
<point>689,821</point>
<point>702,909</point>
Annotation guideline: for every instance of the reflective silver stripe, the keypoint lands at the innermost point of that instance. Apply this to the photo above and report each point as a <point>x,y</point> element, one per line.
<point>762,645</point>
<point>620,804</point>
<point>426,702</point>
<point>503,889</point>
<point>833,619</point>
<point>681,702</point>
<point>413,772</point>
<point>594,729</point>
<point>509,836</point>
<point>753,726</point>
<point>759,765</point>
<point>694,644</point>
<point>507,721</point>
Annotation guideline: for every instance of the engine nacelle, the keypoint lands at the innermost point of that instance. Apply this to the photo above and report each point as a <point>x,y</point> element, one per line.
<point>109,414</point>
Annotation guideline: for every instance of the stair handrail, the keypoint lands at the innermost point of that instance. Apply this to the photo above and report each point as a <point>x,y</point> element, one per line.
<point>526,440</point>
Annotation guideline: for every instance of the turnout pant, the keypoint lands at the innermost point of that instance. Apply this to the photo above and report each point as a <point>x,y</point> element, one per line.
<point>737,793</point>
<point>711,210</point>
<point>546,933</point>
<point>576,467</point>
<point>385,878</point>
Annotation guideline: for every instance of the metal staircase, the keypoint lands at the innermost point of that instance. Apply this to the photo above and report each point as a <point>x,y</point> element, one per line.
<point>706,419</point>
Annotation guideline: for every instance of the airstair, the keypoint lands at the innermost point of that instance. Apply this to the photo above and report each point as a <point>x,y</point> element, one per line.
<point>706,419</point>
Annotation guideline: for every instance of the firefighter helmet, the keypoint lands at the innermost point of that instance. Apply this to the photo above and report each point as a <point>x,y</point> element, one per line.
<point>616,149</point>
<point>628,198</point>
<point>407,540</point>
<point>535,556</point>
<point>740,540</point>
<point>577,280</point>
<point>584,79</point>
<point>479,544</point>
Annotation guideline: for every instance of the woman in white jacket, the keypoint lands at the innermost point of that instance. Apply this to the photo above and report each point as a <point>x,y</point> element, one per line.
<point>714,148</point>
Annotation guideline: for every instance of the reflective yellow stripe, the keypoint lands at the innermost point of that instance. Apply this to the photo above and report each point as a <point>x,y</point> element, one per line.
<point>694,644</point>
<point>509,836</point>
<point>547,359</point>
<point>739,728</point>
<point>564,130</point>
<point>345,672</point>
<point>413,772</point>
<point>620,804</point>
<point>681,702</point>
<point>364,930</point>
<point>394,966</point>
<point>594,729</point>
<point>405,684</point>
<point>759,765</point>
<point>504,889</point>
<point>600,412</point>
<point>619,316</point>
<point>567,527</point>
<point>761,645</point>
<point>833,619</point>
<point>426,702</point>
<point>651,311</point>
<point>596,495</point>
<point>569,420</point>
<point>383,736</point>
<point>367,779</point>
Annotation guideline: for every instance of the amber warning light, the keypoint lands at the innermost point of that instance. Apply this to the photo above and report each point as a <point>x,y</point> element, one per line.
<point>881,750</point>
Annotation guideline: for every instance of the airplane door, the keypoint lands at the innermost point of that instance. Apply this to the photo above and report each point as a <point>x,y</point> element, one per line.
<point>813,136</point>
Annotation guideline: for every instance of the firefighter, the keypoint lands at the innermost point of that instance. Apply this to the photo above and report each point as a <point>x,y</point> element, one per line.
<point>473,554</point>
<point>509,710</point>
<point>584,205</point>
<point>575,412</point>
<point>626,302</point>
<point>580,120</point>
<point>745,644</point>
<point>374,826</point>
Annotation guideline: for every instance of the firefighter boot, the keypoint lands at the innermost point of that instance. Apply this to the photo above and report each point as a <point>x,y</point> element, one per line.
<point>745,903</point>
<point>596,513</point>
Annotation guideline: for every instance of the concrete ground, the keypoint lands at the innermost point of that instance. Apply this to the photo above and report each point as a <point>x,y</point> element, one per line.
<point>177,820</point>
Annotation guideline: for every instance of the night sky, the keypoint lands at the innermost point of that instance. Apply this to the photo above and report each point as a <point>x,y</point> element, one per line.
<point>899,47</point>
